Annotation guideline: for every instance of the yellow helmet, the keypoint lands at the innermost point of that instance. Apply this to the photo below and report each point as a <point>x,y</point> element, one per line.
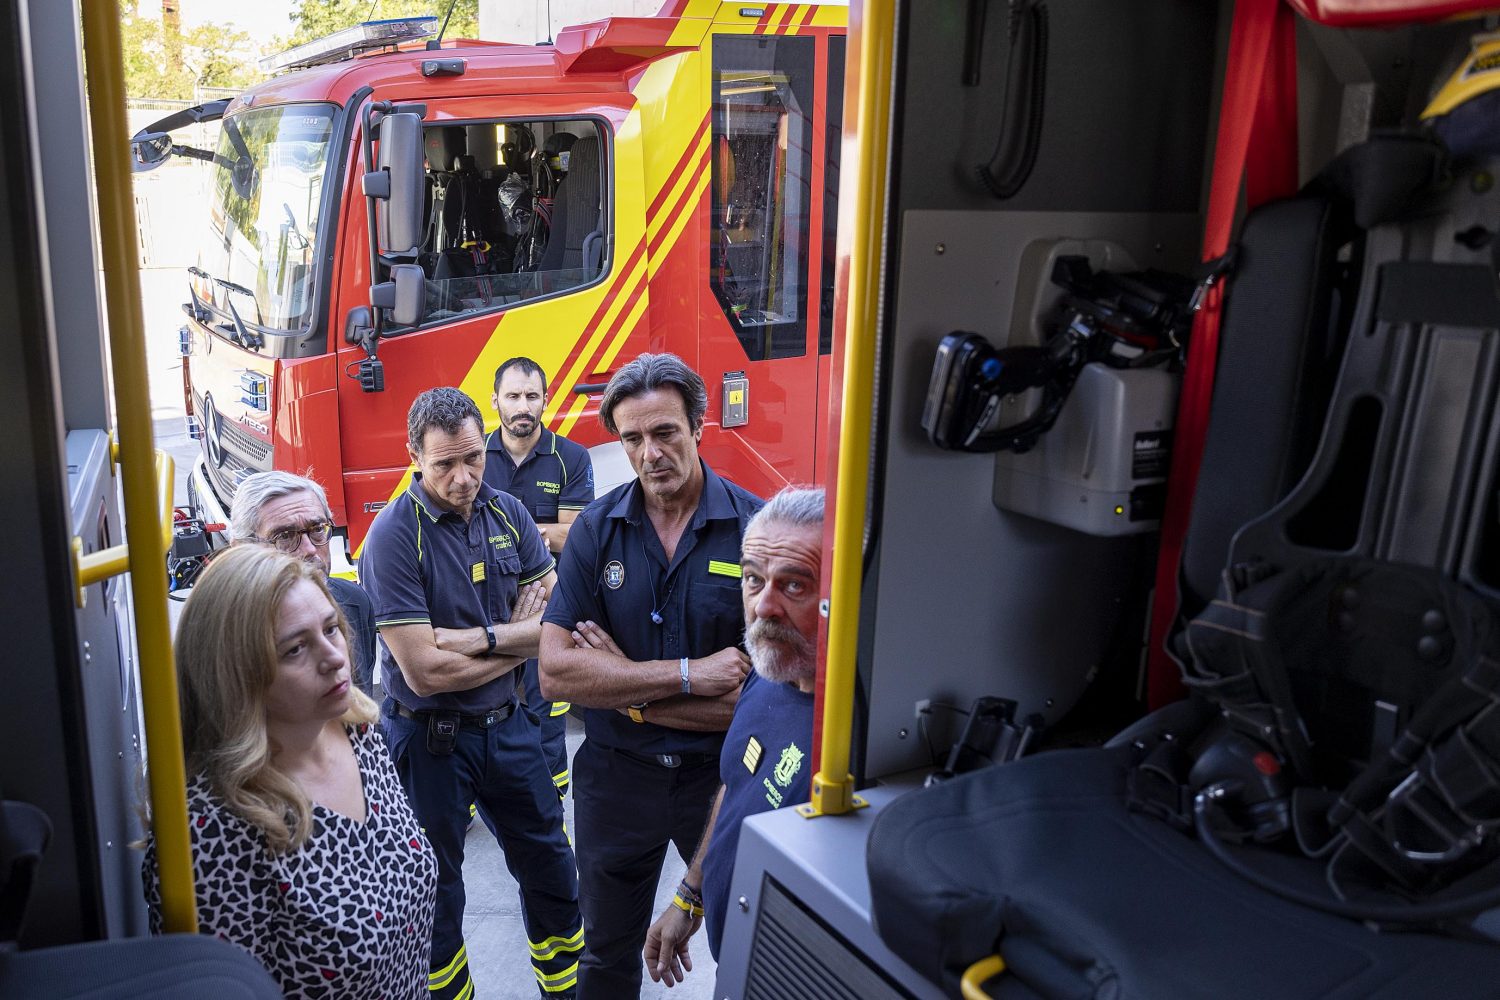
<point>1465,112</point>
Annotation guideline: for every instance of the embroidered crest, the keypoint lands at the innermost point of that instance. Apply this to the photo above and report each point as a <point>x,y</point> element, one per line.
<point>753,752</point>
<point>614,575</point>
<point>788,766</point>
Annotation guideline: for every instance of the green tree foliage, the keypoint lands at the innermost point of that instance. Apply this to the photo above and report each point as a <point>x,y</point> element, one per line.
<point>212,55</point>
<point>316,18</point>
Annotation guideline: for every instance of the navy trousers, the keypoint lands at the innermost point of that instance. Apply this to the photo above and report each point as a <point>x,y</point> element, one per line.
<point>625,813</point>
<point>501,768</point>
<point>553,717</point>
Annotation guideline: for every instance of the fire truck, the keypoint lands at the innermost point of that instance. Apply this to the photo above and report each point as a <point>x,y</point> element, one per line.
<point>662,184</point>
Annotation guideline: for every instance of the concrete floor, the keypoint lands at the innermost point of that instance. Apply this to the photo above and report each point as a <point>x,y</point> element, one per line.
<point>172,210</point>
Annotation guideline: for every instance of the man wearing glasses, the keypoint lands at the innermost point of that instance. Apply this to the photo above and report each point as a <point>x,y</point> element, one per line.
<point>291,513</point>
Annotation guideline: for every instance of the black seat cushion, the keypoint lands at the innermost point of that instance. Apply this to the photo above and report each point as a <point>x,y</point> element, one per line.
<point>1041,860</point>
<point>173,967</point>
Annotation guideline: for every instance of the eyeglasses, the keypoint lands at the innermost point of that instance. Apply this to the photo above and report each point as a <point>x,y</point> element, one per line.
<point>290,539</point>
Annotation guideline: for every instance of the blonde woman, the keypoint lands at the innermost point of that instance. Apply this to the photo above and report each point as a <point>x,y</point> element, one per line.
<point>305,851</point>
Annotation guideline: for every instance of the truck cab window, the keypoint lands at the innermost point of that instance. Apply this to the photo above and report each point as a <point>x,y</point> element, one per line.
<point>762,169</point>
<point>516,210</point>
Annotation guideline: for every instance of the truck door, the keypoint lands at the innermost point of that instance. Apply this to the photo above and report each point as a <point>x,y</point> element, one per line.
<point>775,126</point>
<point>519,259</point>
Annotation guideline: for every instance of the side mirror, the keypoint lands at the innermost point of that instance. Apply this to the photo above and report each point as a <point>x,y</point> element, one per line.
<point>404,296</point>
<point>399,214</point>
<point>149,150</point>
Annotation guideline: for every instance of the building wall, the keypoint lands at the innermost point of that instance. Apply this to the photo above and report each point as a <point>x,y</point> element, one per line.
<point>526,20</point>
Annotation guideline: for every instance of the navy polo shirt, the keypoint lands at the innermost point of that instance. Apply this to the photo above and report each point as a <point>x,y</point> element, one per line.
<point>424,565</point>
<point>558,475</point>
<point>767,764</point>
<point>614,571</point>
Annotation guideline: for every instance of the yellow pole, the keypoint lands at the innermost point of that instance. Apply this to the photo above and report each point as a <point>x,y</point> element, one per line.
<point>143,524</point>
<point>875,34</point>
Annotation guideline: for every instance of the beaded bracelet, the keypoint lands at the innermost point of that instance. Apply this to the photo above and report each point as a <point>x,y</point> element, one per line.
<point>688,900</point>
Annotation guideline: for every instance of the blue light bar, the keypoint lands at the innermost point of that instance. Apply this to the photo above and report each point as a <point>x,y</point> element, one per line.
<point>351,41</point>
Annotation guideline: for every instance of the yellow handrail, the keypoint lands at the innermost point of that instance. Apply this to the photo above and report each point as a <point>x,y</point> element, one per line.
<point>976,975</point>
<point>833,785</point>
<point>91,567</point>
<point>143,536</point>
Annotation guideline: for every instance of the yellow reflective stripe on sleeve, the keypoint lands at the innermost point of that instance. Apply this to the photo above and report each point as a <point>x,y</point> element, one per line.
<point>533,578</point>
<point>403,621</point>
<point>442,977</point>
<point>560,779</point>
<point>561,707</point>
<point>556,982</point>
<point>551,947</point>
<point>724,568</point>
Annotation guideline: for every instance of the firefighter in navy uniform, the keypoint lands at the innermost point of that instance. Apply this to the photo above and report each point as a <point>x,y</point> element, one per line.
<point>459,576</point>
<point>554,480</point>
<point>644,632</point>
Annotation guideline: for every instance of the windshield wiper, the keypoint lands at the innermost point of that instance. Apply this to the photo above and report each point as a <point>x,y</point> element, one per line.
<point>301,242</point>
<point>242,334</point>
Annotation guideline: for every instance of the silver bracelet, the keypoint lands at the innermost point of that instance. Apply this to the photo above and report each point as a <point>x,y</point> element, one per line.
<point>687,684</point>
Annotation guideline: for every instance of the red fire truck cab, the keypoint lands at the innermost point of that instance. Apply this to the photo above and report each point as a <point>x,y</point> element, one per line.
<point>644,184</point>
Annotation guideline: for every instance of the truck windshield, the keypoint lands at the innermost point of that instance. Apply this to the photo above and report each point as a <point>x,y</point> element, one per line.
<point>260,253</point>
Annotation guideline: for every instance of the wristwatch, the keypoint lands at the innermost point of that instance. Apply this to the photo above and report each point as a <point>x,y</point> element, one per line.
<point>489,634</point>
<point>634,711</point>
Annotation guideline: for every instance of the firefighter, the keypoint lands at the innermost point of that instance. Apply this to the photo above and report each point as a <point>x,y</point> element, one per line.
<point>652,567</point>
<point>766,764</point>
<point>554,480</point>
<point>459,575</point>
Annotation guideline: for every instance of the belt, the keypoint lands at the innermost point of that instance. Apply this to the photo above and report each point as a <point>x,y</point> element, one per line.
<point>493,717</point>
<point>668,759</point>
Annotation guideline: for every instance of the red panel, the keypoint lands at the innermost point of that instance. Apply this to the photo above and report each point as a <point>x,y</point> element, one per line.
<point>302,441</point>
<point>1353,13</point>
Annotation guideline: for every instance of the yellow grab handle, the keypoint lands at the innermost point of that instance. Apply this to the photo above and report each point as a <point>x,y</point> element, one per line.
<point>91,567</point>
<point>127,343</point>
<point>976,975</point>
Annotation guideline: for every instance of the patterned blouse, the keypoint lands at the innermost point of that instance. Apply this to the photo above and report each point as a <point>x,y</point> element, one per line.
<point>347,915</point>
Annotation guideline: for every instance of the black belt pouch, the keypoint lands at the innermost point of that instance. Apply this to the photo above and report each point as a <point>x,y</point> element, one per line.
<point>442,733</point>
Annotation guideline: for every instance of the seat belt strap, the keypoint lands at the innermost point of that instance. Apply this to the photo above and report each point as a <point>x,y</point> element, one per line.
<point>1256,142</point>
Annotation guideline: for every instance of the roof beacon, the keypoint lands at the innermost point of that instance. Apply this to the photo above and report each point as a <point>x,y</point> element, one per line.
<point>352,41</point>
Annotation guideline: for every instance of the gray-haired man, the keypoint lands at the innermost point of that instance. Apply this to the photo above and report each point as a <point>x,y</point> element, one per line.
<point>291,513</point>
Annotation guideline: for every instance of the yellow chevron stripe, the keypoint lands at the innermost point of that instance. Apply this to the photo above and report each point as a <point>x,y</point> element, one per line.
<point>467,993</point>
<point>700,188</point>
<point>580,404</point>
<point>626,328</point>
<point>595,337</point>
<point>681,186</point>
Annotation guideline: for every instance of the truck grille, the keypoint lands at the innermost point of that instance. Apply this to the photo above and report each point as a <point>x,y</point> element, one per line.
<point>796,956</point>
<point>242,453</point>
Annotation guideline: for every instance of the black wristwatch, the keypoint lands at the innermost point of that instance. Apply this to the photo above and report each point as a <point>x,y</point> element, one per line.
<point>489,633</point>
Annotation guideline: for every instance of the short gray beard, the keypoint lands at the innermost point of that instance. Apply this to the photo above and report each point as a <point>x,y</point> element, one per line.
<point>779,652</point>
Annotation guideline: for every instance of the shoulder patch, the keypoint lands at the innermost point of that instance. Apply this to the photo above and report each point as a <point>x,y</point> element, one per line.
<point>753,752</point>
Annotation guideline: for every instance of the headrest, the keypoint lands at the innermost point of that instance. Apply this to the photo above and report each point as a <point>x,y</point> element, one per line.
<point>559,142</point>
<point>444,145</point>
